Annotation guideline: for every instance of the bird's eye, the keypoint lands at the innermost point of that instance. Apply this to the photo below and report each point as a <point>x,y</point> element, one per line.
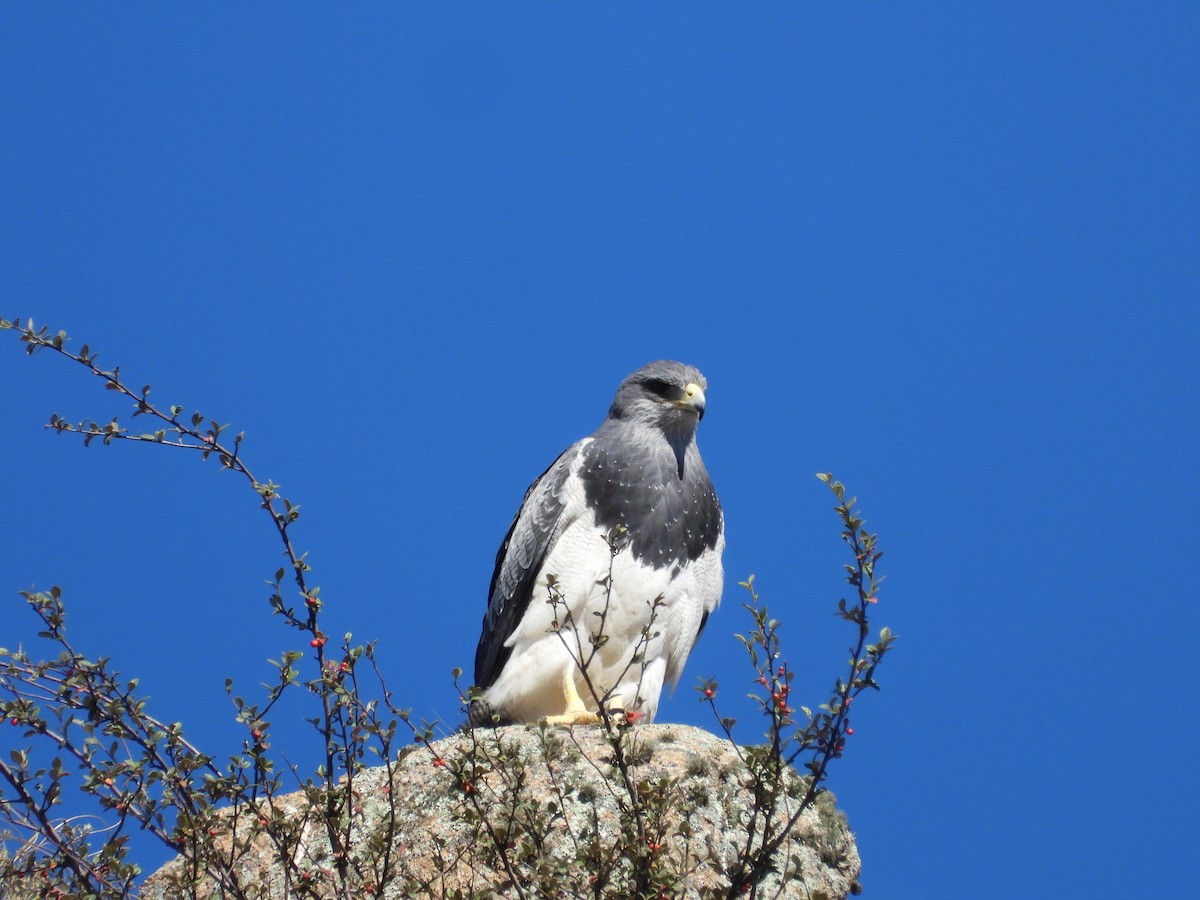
<point>659,387</point>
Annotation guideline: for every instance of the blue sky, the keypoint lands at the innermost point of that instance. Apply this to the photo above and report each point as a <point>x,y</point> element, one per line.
<point>946,251</point>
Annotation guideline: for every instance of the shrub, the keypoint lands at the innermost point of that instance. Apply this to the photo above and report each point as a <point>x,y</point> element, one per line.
<point>86,725</point>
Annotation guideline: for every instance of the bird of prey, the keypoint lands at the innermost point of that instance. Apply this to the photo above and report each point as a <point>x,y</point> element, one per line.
<point>611,567</point>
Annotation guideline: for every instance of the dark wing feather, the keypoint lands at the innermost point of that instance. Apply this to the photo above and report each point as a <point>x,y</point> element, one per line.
<point>533,532</point>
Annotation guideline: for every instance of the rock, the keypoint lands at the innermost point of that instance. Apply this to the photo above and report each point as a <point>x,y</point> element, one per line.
<point>538,812</point>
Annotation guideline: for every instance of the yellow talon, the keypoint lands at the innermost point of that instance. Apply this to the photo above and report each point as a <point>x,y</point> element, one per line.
<point>576,713</point>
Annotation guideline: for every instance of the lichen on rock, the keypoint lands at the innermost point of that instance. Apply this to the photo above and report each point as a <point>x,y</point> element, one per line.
<point>536,811</point>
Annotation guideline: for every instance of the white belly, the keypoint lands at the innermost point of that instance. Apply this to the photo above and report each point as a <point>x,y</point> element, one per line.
<point>621,640</point>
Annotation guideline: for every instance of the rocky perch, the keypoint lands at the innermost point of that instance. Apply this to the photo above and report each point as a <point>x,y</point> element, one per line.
<point>535,811</point>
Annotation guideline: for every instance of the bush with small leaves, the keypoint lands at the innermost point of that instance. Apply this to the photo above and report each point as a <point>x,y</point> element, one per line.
<point>617,810</point>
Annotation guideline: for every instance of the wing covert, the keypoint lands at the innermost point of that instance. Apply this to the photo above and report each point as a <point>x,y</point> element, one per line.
<point>532,534</point>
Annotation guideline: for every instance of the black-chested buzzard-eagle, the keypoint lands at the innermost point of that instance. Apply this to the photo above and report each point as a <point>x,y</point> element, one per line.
<point>632,501</point>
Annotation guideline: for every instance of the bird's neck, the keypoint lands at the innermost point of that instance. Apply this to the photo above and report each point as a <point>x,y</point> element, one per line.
<point>679,439</point>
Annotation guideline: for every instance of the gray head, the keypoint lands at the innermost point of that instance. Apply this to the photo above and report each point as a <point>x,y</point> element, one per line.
<point>666,394</point>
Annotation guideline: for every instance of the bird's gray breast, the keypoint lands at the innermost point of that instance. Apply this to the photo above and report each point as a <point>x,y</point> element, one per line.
<point>670,511</point>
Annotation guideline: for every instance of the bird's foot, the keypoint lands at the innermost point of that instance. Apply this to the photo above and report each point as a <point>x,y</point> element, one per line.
<point>577,713</point>
<point>623,717</point>
<point>618,717</point>
<point>575,717</point>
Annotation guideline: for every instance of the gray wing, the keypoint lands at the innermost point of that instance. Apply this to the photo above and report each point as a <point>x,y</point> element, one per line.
<point>533,532</point>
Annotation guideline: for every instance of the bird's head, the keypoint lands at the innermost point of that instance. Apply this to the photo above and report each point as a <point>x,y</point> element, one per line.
<point>666,394</point>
